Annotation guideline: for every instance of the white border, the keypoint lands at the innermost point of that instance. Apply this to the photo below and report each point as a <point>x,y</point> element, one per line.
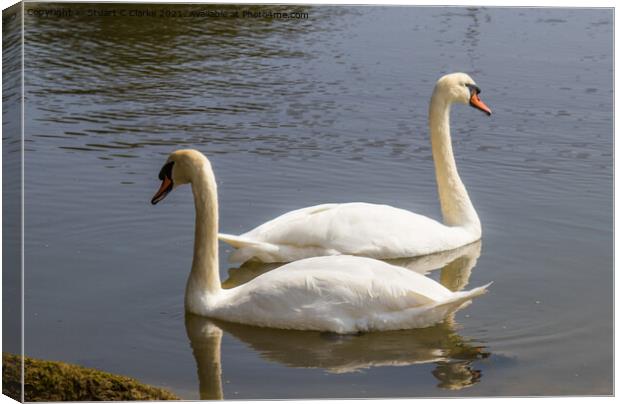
<point>483,3</point>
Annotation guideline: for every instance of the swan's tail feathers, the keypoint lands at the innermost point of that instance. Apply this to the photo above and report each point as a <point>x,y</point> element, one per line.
<point>461,299</point>
<point>247,248</point>
<point>237,241</point>
<point>475,292</point>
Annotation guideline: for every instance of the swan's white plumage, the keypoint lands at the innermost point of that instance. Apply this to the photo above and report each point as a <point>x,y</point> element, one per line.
<point>378,231</point>
<point>364,229</point>
<point>343,294</point>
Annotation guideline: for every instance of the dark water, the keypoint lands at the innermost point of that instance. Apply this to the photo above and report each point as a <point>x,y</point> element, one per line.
<point>304,111</point>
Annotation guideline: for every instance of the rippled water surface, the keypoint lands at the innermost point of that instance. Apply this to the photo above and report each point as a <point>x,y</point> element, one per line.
<point>331,108</point>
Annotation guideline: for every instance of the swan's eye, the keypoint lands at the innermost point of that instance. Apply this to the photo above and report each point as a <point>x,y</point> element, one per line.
<point>166,171</point>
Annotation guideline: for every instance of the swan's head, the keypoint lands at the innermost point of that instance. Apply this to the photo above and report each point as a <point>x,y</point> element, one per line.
<point>180,168</point>
<point>459,87</point>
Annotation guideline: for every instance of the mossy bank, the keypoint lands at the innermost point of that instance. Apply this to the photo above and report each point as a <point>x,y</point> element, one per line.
<point>58,381</point>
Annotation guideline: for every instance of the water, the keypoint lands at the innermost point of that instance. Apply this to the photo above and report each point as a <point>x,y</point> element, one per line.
<point>298,112</point>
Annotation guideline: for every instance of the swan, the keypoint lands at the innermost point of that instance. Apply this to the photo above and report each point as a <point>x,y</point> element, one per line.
<point>341,294</point>
<point>379,231</point>
<point>454,356</point>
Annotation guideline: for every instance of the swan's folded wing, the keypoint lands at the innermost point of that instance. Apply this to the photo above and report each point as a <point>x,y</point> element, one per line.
<point>347,281</point>
<point>354,228</point>
<point>340,294</point>
<point>277,228</point>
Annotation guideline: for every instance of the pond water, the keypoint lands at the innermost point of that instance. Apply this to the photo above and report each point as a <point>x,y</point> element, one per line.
<point>297,112</point>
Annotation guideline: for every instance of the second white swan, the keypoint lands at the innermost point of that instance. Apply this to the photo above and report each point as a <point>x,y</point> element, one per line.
<point>379,231</point>
<point>342,294</point>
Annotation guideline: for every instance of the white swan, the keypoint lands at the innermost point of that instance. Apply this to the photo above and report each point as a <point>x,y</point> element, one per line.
<point>342,294</point>
<point>379,231</point>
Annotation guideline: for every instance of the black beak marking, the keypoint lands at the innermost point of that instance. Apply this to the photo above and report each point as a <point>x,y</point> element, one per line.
<point>166,171</point>
<point>473,89</point>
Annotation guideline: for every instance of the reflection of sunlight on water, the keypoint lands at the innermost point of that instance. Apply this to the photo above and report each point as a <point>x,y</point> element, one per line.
<point>453,355</point>
<point>198,81</point>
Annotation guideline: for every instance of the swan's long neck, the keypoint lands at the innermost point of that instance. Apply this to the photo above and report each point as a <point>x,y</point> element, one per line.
<point>456,206</point>
<point>204,279</point>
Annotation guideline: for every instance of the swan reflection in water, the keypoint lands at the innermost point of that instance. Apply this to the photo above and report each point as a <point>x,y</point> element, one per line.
<point>453,355</point>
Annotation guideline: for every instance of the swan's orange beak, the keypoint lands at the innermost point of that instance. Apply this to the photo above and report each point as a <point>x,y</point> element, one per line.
<point>477,103</point>
<point>166,187</point>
